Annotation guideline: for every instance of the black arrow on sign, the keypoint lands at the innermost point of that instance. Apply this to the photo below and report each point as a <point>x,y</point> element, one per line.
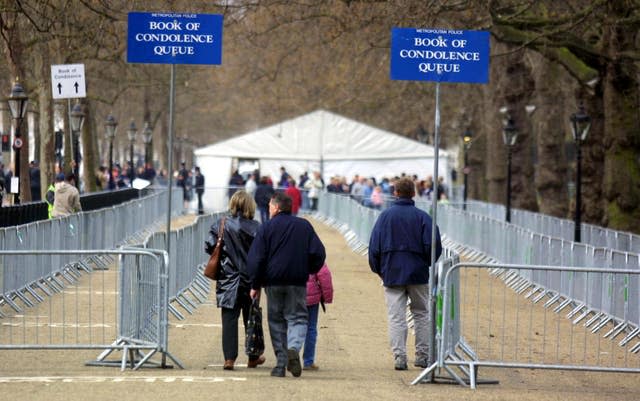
<point>59,88</point>
<point>76,86</point>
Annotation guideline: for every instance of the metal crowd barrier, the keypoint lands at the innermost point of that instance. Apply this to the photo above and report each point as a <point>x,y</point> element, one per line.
<point>508,243</point>
<point>490,319</point>
<point>187,287</point>
<point>108,228</point>
<point>560,228</point>
<point>122,307</point>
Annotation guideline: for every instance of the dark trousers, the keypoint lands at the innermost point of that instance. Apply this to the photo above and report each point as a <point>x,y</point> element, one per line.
<point>230,324</point>
<point>200,206</point>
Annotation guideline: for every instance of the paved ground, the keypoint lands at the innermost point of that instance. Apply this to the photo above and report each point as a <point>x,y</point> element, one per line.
<point>355,363</point>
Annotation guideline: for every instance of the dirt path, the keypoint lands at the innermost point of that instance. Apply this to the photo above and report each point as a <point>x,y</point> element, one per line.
<point>353,354</point>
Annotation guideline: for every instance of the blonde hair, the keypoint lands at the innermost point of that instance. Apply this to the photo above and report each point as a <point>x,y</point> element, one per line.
<point>242,204</point>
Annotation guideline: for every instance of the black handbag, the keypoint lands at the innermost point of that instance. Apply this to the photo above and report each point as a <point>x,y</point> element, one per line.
<point>254,342</point>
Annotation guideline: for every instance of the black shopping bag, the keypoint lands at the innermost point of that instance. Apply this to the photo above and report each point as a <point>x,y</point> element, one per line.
<point>254,343</point>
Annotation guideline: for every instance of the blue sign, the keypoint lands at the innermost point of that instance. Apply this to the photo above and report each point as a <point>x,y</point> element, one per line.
<point>441,55</point>
<point>174,38</point>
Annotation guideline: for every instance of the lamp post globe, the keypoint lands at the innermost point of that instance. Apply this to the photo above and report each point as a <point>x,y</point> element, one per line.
<point>110,126</point>
<point>18,102</point>
<point>509,135</point>
<point>580,124</point>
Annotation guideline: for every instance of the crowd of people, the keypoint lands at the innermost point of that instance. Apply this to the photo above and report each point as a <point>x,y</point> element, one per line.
<point>305,192</point>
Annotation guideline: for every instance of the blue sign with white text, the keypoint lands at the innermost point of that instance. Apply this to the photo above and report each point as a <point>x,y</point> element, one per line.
<point>174,38</point>
<point>441,55</point>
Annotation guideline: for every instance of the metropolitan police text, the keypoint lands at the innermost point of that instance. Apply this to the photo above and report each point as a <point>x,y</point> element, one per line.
<point>174,38</point>
<point>444,55</point>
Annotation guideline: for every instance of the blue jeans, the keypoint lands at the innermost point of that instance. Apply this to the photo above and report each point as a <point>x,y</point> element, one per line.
<point>264,214</point>
<point>287,317</point>
<point>309,355</point>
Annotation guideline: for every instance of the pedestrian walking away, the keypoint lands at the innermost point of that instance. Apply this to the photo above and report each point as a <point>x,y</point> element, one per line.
<point>400,253</point>
<point>66,197</point>
<point>285,251</point>
<point>233,285</point>
<point>199,184</point>
<point>319,293</point>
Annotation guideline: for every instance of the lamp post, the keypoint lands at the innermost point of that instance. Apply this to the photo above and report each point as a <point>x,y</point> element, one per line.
<point>509,134</point>
<point>110,126</point>
<point>466,144</point>
<point>147,137</point>
<point>132,132</point>
<point>76,119</point>
<point>18,101</point>
<point>580,124</point>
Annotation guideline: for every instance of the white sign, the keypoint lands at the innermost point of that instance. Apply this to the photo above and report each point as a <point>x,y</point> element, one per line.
<point>14,185</point>
<point>67,81</point>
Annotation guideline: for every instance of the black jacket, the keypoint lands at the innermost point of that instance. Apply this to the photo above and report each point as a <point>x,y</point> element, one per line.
<point>285,251</point>
<point>232,276</point>
<point>263,195</point>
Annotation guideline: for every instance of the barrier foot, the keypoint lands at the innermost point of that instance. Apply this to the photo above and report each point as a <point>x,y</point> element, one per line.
<point>164,365</point>
<point>424,374</point>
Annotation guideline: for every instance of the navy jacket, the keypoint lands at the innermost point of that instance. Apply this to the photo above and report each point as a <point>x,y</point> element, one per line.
<point>400,245</point>
<point>285,251</point>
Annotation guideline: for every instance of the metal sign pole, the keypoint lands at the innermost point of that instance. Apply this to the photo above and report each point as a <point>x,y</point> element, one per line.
<point>434,213</point>
<point>172,98</point>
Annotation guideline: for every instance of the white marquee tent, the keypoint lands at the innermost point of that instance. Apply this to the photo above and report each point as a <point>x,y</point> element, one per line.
<point>318,141</point>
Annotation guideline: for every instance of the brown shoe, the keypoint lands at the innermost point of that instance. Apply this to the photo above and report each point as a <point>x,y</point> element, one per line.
<point>313,366</point>
<point>228,364</point>
<point>255,362</point>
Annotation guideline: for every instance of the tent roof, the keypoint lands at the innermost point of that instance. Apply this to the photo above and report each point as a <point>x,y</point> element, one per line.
<point>319,134</point>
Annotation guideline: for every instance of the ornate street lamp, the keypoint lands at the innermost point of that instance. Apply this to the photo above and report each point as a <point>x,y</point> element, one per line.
<point>18,102</point>
<point>467,137</point>
<point>147,137</point>
<point>110,126</point>
<point>132,132</point>
<point>509,134</point>
<point>580,124</point>
<point>76,119</point>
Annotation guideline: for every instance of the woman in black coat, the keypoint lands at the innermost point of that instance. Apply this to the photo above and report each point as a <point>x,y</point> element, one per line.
<point>232,285</point>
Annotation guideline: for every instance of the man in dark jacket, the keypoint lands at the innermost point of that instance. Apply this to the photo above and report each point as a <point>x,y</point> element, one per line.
<point>263,195</point>
<point>400,253</point>
<point>285,251</point>
<point>199,184</point>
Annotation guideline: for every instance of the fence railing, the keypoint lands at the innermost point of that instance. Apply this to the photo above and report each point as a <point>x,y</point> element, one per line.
<point>512,244</point>
<point>560,228</point>
<point>187,286</point>
<point>121,307</point>
<point>489,319</point>
<point>107,228</point>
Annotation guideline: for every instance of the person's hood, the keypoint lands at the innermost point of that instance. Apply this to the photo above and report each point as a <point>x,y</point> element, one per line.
<point>63,187</point>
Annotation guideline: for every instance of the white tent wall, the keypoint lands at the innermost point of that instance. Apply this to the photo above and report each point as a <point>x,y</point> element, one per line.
<point>342,146</point>
<point>216,171</point>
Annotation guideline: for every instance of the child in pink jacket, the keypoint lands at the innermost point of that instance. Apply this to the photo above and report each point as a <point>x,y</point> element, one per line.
<point>319,292</point>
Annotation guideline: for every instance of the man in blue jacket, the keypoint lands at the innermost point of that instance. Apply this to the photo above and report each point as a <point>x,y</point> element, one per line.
<point>284,252</point>
<point>400,253</point>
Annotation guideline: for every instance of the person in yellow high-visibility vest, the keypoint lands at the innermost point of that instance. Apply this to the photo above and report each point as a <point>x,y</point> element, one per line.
<point>49,197</point>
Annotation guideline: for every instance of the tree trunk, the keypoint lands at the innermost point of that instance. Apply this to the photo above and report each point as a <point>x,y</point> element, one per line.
<point>46,154</point>
<point>513,89</point>
<point>549,123</point>
<point>593,153</point>
<point>622,166</point>
<point>89,159</point>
